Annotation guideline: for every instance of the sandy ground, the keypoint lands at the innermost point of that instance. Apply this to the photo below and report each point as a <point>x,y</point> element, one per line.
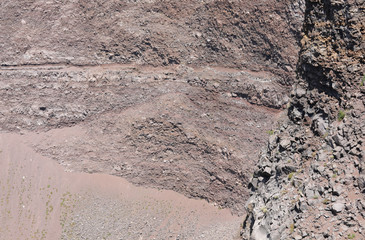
<point>39,200</point>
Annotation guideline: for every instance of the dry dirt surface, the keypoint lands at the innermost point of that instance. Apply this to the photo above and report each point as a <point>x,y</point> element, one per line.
<point>39,200</point>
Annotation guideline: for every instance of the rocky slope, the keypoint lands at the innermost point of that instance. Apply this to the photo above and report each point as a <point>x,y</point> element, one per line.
<point>177,95</point>
<point>257,35</point>
<point>310,182</point>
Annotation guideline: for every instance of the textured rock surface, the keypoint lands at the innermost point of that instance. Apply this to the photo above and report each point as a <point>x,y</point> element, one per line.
<point>258,35</point>
<point>315,189</point>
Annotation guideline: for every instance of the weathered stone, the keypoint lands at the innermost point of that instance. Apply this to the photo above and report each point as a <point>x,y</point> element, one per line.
<point>260,233</point>
<point>300,92</point>
<point>339,140</point>
<point>320,125</point>
<point>295,114</point>
<point>285,144</point>
<point>273,141</point>
<point>266,172</point>
<point>298,237</point>
<point>254,183</point>
<point>337,190</point>
<point>337,207</point>
<point>361,182</point>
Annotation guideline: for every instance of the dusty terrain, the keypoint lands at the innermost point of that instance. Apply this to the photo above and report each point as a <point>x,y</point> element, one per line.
<point>149,125</point>
<point>174,95</point>
<point>41,201</point>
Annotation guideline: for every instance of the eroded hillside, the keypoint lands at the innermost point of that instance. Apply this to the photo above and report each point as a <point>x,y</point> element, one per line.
<point>174,95</point>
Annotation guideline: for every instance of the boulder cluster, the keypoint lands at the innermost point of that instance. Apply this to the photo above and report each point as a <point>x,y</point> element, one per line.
<point>310,180</point>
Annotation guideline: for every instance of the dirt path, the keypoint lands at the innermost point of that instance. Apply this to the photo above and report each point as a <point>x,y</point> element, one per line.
<point>41,201</point>
<point>260,76</point>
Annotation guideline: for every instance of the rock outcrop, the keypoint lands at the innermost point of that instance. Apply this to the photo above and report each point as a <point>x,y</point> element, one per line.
<point>309,183</point>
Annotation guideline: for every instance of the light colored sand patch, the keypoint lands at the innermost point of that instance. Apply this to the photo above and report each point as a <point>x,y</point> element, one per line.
<point>38,200</point>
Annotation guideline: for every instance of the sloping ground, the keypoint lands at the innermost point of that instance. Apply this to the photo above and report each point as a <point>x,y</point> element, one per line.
<point>38,200</point>
<point>310,181</point>
<point>179,95</point>
<point>151,125</point>
<point>256,35</point>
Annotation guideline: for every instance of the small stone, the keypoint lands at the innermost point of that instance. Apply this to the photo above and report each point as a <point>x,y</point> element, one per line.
<point>309,193</point>
<point>260,233</point>
<point>337,207</point>
<point>296,114</point>
<point>337,190</point>
<point>320,126</point>
<point>300,92</point>
<point>361,183</point>
<point>267,172</point>
<point>338,140</point>
<point>321,169</point>
<point>254,182</point>
<point>273,141</point>
<point>285,143</point>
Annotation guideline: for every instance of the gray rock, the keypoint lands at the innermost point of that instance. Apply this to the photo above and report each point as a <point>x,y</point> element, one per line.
<point>337,190</point>
<point>267,171</point>
<point>322,156</point>
<point>275,235</point>
<point>360,206</point>
<point>260,233</point>
<point>296,114</point>
<point>285,143</point>
<point>273,141</point>
<point>300,92</point>
<point>320,125</point>
<point>285,168</point>
<point>303,206</point>
<point>298,237</point>
<point>361,182</point>
<point>339,140</point>
<point>338,152</point>
<point>309,193</point>
<point>254,183</point>
<point>337,207</point>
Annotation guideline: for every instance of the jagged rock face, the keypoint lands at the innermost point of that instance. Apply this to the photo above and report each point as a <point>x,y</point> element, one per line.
<point>310,179</point>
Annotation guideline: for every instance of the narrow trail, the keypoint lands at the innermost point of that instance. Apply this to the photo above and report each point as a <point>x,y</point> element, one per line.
<point>66,67</point>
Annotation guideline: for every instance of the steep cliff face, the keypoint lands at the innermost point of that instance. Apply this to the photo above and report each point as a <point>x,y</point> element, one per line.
<point>310,180</point>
